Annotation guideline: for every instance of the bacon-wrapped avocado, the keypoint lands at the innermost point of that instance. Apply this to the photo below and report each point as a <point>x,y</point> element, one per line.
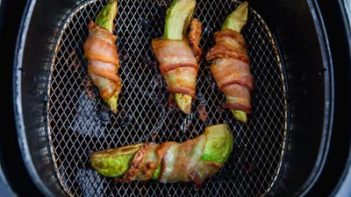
<point>230,64</point>
<point>191,161</point>
<point>178,53</point>
<point>101,51</point>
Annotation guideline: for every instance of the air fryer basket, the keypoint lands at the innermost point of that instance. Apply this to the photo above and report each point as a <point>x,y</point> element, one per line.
<point>62,119</point>
<point>80,124</point>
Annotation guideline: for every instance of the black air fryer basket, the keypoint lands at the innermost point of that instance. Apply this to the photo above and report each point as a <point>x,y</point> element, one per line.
<point>61,119</point>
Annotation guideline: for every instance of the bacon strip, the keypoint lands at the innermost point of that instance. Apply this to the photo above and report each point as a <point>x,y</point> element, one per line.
<point>194,37</point>
<point>230,68</point>
<point>228,71</point>
<point>181,80</point>
<point>180,162</point>
<point>178,65</point>
<point>178,60</point>
<point>193,160</point>
<point>103,60</point>
<point>143,164</point>
<point>188,156</point>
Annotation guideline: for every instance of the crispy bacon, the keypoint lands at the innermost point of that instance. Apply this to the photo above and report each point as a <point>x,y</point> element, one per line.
<point>180,162</point>
<point>173,53</point>
<point>203,170</point>
<point>194,37</point>
<point>178,60</point>
<point>103,61</point>
<point>99,46</point>
<point>193,160</point>
<point>230,68</point>
<point>229,44</point>
<point>221,51</point>
<point>238,97</point>
<point>181,80</point>
<point>143,164</point>
<point>233,39</point>
<point>178,65</point>
<point>231,71</point>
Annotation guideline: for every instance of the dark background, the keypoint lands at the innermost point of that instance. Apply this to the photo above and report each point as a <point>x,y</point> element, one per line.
<point>339,153</point>
<point>10,156</point>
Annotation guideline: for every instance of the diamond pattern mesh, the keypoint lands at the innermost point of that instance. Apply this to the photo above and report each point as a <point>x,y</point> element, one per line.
<point>80,123</point>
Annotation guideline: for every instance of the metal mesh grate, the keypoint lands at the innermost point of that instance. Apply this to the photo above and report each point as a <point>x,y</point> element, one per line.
<point>80,123</point>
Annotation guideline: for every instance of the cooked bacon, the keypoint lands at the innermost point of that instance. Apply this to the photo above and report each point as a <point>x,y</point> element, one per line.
<point>193,160</point>
<point>194,37</point>
<point>172,54</point>
<point>168,162</point>
<point>222,51</point>
<point>143,164</point>
<point>107,87</point>
<point>95,30</point>
<point>237,106</point>
<point>238,97</point>
<point>181,80</point>
<point>230,68</point>
<point>179,161</point>
<point>161,151</point>
<point>178,60</point>
<point>99,46</point>
<point>178,65</point>
<point>230,71</point>
<point>229,44</point>
<point>233,39</point>
<point>103,61</point>
<point>203,170</point>
<point>145,161</point>
<point>106,70</point>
